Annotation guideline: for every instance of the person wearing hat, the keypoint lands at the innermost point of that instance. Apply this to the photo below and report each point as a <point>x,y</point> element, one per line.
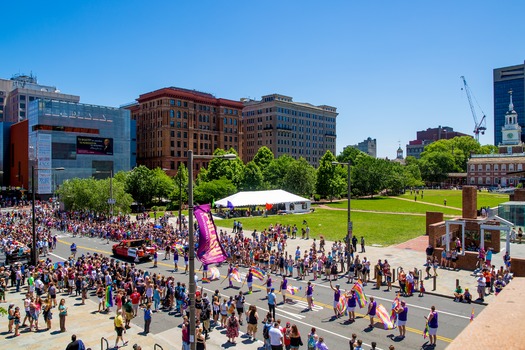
<point>271,302</point>
<point>337,296</point>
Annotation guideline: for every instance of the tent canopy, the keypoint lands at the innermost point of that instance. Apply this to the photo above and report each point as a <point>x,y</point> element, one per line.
<point>248,198</point>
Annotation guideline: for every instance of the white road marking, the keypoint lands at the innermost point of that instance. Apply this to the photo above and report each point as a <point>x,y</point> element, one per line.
<point>411,305</point>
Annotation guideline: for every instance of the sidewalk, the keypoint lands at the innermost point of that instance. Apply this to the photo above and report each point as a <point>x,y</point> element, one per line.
<point>90,327</point>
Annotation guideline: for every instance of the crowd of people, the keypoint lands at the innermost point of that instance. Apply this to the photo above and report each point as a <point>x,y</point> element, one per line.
<point>131,291</point>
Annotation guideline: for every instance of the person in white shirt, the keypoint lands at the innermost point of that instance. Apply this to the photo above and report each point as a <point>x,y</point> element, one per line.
<point>276,337</point>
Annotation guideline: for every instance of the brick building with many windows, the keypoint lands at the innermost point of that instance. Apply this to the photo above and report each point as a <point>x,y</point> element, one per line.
<point>172,120</point>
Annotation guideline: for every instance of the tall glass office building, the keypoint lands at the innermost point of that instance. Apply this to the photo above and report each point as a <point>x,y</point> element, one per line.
<point>506,79</point>
<point>85,140</point>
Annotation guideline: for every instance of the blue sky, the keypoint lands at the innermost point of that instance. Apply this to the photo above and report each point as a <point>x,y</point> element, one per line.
<point>390,67</point>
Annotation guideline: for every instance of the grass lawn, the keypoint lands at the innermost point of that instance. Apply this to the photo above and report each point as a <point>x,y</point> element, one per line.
<point>384,229</point>
<point>382,203</point>
<point>377,228</point>
<point>453,198</point>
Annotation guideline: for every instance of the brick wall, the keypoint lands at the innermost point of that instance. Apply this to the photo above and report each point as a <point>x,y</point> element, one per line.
<point>517,266</point>
<point>470,202</point>
<point>432,218</point>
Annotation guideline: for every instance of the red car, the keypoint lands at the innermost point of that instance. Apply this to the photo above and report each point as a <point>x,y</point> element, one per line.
<point>135,249</point>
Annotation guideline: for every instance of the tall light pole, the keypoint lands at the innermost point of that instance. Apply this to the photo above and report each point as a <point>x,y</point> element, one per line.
<point>34,249</point>
<point>349,220</point>
<point>111,200</point>
<point>191,238</point>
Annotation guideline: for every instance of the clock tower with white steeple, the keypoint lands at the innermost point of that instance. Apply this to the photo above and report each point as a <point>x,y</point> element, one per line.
<point>511,132</point>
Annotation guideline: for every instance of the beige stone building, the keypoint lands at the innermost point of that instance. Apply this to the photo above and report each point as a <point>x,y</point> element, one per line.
<point>287,127</point>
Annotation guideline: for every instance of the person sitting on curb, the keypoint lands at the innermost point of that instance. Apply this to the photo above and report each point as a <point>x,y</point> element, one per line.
<point>467,297</point>
<point>458,294</point>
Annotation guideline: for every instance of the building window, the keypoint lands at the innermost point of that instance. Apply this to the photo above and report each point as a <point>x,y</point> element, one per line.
<point>472,181</point>
<point>503,167</point>
<point>172,102</point>
<point>511,167</point>
<point>172,113</point>
<point>480,180</point>
<point>487,167</point>
<point>496,167</point>
<point>520,167</point>
<point>472,167</point>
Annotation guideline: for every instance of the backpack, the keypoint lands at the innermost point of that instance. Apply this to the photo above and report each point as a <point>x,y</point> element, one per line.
<point>81,345</point>
<point>266,331</point>
<point>311,341</point>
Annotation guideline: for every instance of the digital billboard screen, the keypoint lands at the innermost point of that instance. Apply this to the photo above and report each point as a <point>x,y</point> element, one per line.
<point>94,145</point>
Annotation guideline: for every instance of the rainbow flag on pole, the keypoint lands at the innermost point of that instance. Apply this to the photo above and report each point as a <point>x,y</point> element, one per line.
<point>214,273</point>
<point>292,290</point>
<point>236,275</point>
<point>258,273</point>
<point>360,294</point>
<point>384,317</point>
<point>472,315</point>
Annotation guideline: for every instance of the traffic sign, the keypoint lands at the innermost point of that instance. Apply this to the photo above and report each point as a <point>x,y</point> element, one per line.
<point>111,201</point>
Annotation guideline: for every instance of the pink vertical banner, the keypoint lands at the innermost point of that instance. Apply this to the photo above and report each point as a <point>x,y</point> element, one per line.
<point>210,250</point>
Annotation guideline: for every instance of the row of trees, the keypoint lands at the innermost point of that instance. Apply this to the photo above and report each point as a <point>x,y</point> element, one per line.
<point>223,177</point>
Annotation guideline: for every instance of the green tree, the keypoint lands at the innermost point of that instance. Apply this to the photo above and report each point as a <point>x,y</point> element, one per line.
<point>180,193</point>
<point>349,154</point>
<point>263,157</point>
<point>435,166</point>
<point>368,175</point>
<point>140,184</point>
<point>253,177</point>
<point>163,185</point>
<point>207,192</point>
<point>300,178</point>
<point>224,168</point>
<point>275,172</point>
<point>326,173</point>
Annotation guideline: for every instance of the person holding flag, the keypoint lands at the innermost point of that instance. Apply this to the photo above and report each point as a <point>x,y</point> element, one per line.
<point>283,288</point>
<point>337,296</point>
<point>249,280</point>
<point>351,305</point>
<point>402,315</point>
<point>432,325</point>
<point>230,275</point>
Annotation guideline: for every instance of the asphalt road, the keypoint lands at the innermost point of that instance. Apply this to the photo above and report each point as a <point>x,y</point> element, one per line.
<point>453,317</point>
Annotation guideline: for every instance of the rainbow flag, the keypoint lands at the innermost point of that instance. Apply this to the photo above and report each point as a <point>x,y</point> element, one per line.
<point>214,272</point>
<point>109,296</point>
<point>425,331</point>
<point>341,305</point>
<point>396,303</point>
<point>472,315</point>
<point>360,294</point>
<point>258,272</point>
<point>235,274</point>
<point>292,290</point>
<point>179,248</point>
<point>384,317</point>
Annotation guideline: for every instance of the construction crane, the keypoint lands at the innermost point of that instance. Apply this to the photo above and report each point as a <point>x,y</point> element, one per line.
<point>479,127</point>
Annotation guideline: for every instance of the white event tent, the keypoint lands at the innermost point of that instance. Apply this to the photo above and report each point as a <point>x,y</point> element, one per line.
<point>289,202</point>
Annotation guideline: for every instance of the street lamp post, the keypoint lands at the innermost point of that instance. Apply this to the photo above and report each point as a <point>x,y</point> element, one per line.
<point>191,239</point>
<point>349,220</point>
<point>34,249</point>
